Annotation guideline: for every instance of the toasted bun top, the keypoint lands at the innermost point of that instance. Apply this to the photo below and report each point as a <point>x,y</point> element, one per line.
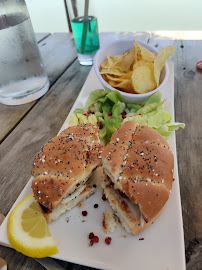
<point>139,162</point>
<point>65,162</point>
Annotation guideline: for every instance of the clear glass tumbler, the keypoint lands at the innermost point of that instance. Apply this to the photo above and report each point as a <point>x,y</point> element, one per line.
<point>85,30</point>
<point>22,76</point>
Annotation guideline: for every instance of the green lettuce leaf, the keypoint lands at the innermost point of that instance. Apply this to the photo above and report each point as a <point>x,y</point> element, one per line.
<point>163,130</point>
<point>133,107</point>
<point>155,98</point>
<point>159,119</point>
<point>92,119</point>
<point>78,111</point>
<point>83,119</point>
<point>99,114</point>
<point>122,106</point>
<point>96,107</point>
<point>95,95</point>
<point>114,96</point>
<point>107,106</point>
<point>102,133</point>
<point>73,120</point>
<point>148,108</point>
<point>175,126</point>
<point>137,118</point>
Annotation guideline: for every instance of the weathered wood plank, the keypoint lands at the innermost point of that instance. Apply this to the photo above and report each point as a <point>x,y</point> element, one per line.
<point>58,52</point>
<point>188,109</point>
<point>18,261</point>
<point>41,124</point>
<point>10,116</point>
<point>41,36</point>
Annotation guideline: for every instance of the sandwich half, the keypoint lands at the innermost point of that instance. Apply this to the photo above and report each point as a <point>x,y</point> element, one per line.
<point>138,166</point>
<point>63,167</point>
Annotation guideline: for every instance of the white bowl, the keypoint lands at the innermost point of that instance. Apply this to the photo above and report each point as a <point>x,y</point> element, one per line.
<point>119,47</point>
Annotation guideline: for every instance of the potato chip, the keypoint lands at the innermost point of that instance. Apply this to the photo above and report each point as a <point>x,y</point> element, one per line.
<point>116,57</point>
<point>112,83</point>
<point>112,71</point>
<point>127,75</point>
<point>137,51</point>
<point>126,85</point>
<point>110,61</point>
<point>105,77</point>
<point>143,78</point>
<point>139,63</point>
<point>105,64</point>
<point>112,78</point>
<point>146,54</point>
<point>116,61</point>
<point>128,59</point>
<point>160,61</point>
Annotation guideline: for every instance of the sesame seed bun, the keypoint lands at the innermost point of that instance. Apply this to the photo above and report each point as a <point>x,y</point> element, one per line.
<point>139,163</point>
<point>64,165</point>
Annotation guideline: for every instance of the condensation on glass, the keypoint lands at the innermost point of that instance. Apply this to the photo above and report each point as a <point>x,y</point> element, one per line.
<point>22,75</point>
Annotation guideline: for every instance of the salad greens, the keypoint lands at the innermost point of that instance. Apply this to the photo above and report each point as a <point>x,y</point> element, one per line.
<point>106,109</point>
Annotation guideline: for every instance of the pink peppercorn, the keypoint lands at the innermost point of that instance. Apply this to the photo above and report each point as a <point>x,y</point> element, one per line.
<point>108,240</point>
<point>91,243</point>
<point>91,235</point>
<point>96,239</point>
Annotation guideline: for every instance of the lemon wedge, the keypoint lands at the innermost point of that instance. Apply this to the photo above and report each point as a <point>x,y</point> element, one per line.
<point>28,231</point>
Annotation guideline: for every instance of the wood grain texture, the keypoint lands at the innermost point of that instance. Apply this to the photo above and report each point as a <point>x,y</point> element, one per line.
<point>41,124</point>
<point>58,52</point>
<point>19,149</point>
<point>17,261</point>
<point>188,109</point>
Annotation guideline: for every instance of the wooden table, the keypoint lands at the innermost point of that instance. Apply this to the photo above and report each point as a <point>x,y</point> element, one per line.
<point>25,128</point>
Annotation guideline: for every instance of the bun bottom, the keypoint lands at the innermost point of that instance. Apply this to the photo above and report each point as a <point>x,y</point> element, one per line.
<point>109,221</point>
<point>128,214</point>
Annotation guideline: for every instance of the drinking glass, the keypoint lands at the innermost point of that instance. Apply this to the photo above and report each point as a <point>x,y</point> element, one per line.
<point>85,30</point>
<point>22,76</point>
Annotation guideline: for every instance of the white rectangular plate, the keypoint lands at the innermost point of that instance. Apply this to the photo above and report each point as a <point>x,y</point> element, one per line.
<point>163,244</point>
